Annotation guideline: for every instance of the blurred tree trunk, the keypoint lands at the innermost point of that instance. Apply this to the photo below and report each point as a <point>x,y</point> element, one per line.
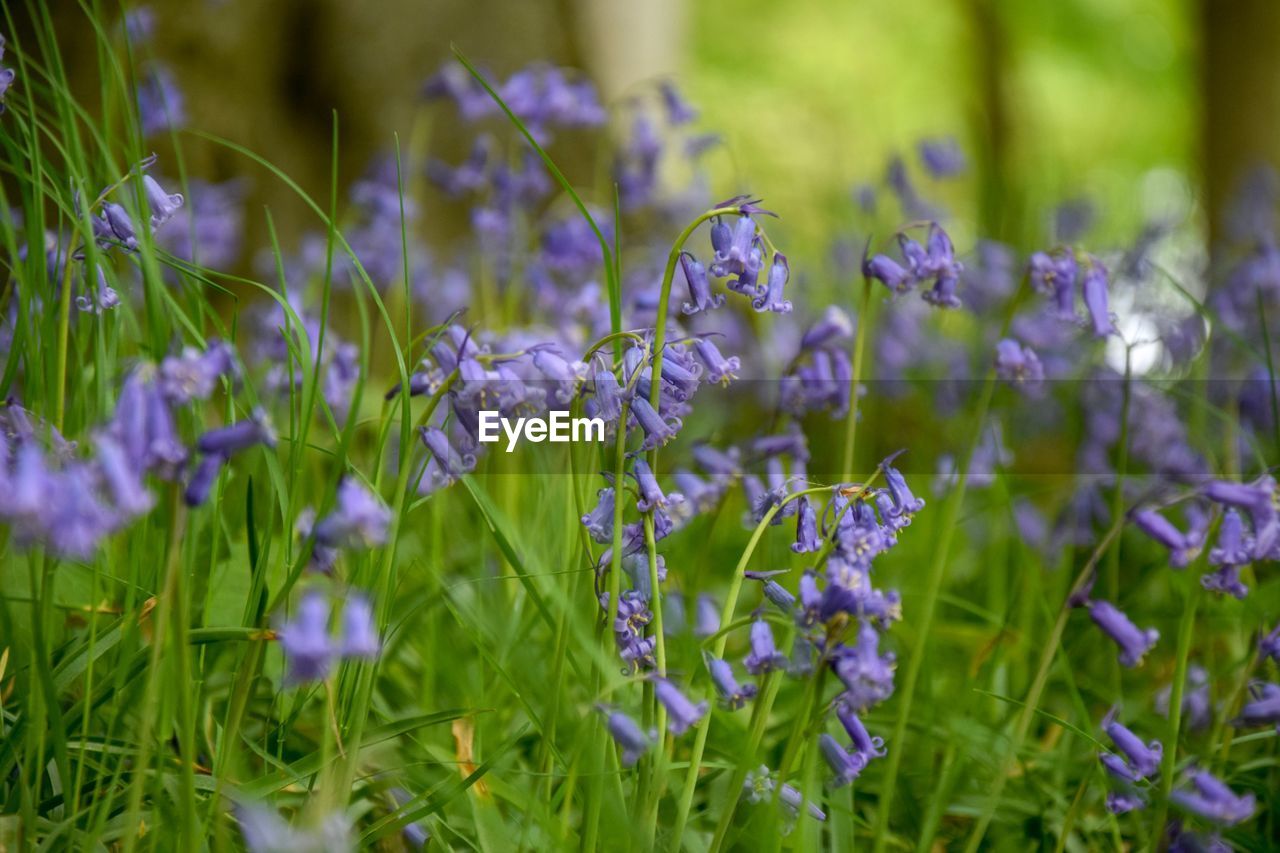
<point>997,209</point>
<point>1240,85</point>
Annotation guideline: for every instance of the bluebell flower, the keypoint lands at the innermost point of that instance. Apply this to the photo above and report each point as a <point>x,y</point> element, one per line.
<point>635,742</point>
<point>1094,289</point>
<point>681,713</point>
<point>1132,642</point>
<point>678,110</point>
<point>771,299</point>
<point>1182,547</point>
<point>1269,645</point>
<point>701,297</point>
<point>359,519</point>
<point>1197,706</point>
<point>1144,758</point>
<point>628,628</point>
<point>236,437</point>
<point>161,106</point>
<point>764,656</point>
<point>1019,366</point>
<point>720,370</point>
<point>723,466</point>
<point>308,649</point>
<point>1209,798</point>
<point>1118,768</point>
<point>450,464</point>
<point>1123,802</point>
<point>846,765</point>
<point>733,694</point>
<point>607,400</point>
<point>7,76</point>
<point>658,430</point>
<point>866,673</point>
<point>129,495</point>
<point>359,631</point>
<point>905,504</point>
<point>163,204</point>
<point>807,538</point>
<point>834,326</point>
<point>942,157</point>
<point>114,227</point>
<point>870,747</point>
<point>707,616</point>
<point>888,272</point>
<point>1257,499</point>
<point>203,478</point>
<point>739,255</point>
<point>1263,709</point>
<point>194,374</point>
<point>599,521</point>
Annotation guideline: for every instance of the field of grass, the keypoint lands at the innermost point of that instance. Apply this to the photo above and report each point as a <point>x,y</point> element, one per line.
<point>904,545</point>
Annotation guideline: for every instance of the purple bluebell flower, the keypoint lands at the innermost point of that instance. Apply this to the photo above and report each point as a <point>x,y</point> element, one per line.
<point>607,401</point>
<point>1257,499</point>
<point>764,655</point>
<point>599,521</point>
<point>771,299</point>
<point>359,519</point>
<point>863,742</point>
<point>1182,547</point>
<point>832,327</point>
<point>888,272</point>
<point>1209,798</point>
<point>114,227</point>
<point>846,765</point>
<point>658,429</point>
<point>678,109</point>
<point>124,483</point>
<point>202,479</point>
<point>635,742</point>
<point>701,297</point>
<point>866,674</point>
<point>1263,709</point>
<point>160,102</point>
<point>163,204</point>
<point>707,617</point>
<point>733,694</point>
<point>778,595</point>
<point>7,76</point>
<point>1123,802</point>
<point>723,466</point>
<point>193,375</point>
<point>738,255</point>
<point>651,494</point>
<point>1055,276</point>
<point>681,713</point>
<point>359,631</point>
<point>308,648</point>
<point>1019,366</point>
<point>807,538</point>
<point>1094,288</point>
<point>629,627</point>
<point>1197,706</point>
<point>236,437</point>
<point>1269,645</point>
<point>450,463</point>
<point>1143,758</point>
<point>905,504</point>
<point>720,370</point>
<point>1133,643</point>
<point>1118,768</point>
<point>942,157</point>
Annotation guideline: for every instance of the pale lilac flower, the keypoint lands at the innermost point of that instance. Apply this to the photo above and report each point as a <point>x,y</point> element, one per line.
<point>162,203</point>
<point>1212,800</point>
<point>733,694</point>
<point>764,655</point>
<point>599,521</point>
<point>844,764</point>
<point>634,741</point>
<point>681,712</point>
<point>707,616</point>
<point>771,299</point>
<point>1133,643</point>
<point>359,519</point>
<point>1182,547</point>
<point>309,651</point>
<point>359,632</point>
<point>203,478</point>
<point>1094,288</point>
<point>1143,758</point>
<point>1263,709</point>
<point>701,297</point>
<point>1019,366</point>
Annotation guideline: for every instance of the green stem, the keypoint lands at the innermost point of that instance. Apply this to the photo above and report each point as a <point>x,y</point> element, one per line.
<point>855,381</point>
<point>722,639</point>
<point>660,656</point>
<point>64,332</point>
<point>1167,764</point>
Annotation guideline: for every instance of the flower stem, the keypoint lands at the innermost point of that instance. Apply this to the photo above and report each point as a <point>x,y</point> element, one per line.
<point>726,618</point>
<point>1176,691</point>
<point>64,332</point>
<point>855,382</point>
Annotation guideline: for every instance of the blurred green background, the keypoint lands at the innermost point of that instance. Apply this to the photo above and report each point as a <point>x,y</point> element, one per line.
<point>1150,109</point>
